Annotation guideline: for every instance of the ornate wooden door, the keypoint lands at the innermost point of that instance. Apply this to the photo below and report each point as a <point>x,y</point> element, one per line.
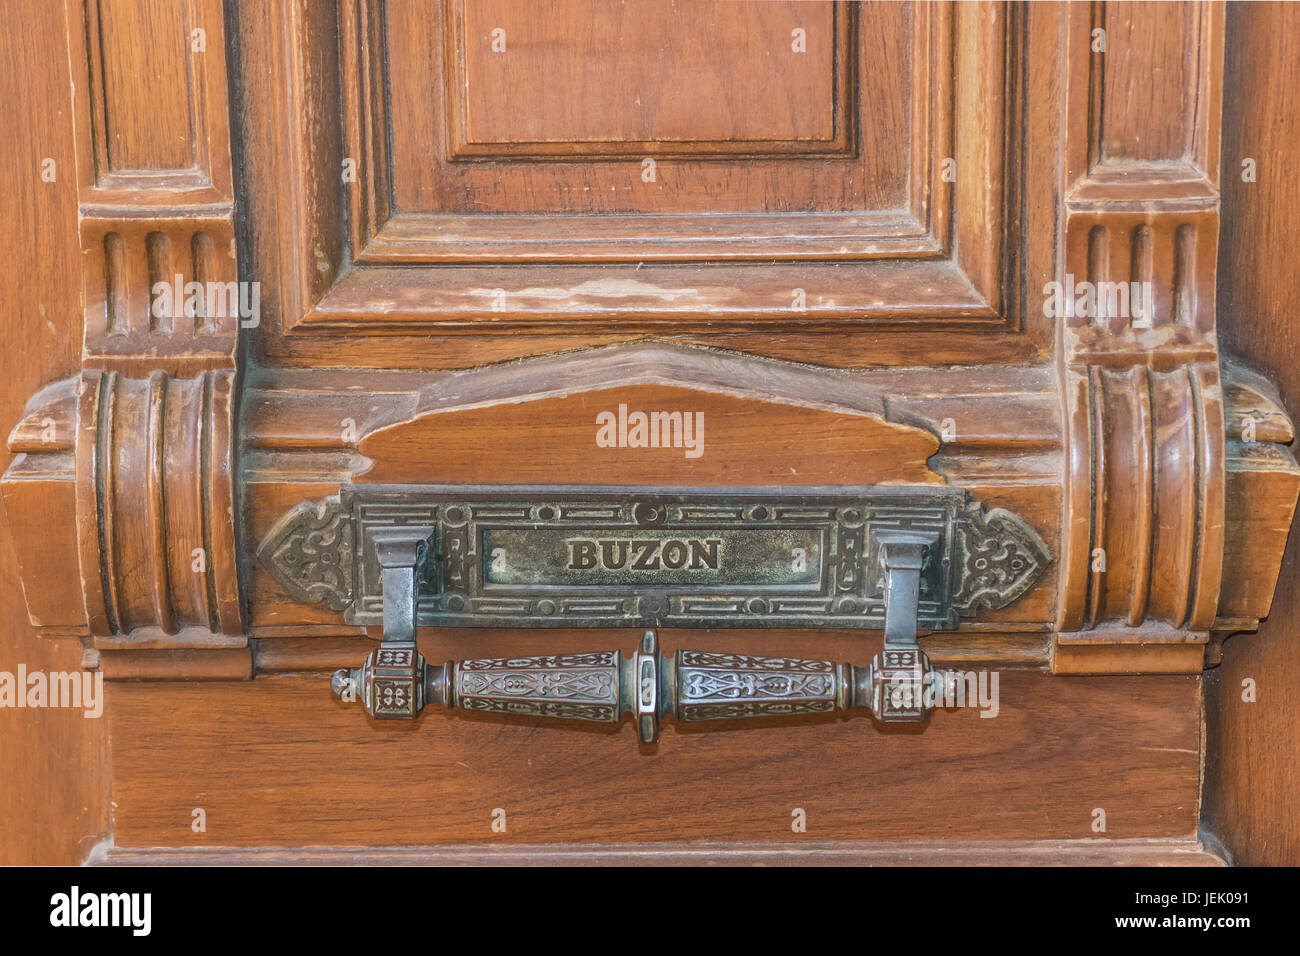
<point>748,292</point>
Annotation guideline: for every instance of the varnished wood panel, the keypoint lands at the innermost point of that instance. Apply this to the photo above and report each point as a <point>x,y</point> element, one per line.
<point>149,84</point>
<point>1148,113</point>
<point>54,782</point>
<point>1149,87</point>
<point>741,59</point>
<point>1252,761</point>
<point>276,762</point>
<point>735,441</point>
<point>129,140</point>
<point>953,853</point>
<point>619,81</point>
<point>862,265</point>
<point>1145,464</point>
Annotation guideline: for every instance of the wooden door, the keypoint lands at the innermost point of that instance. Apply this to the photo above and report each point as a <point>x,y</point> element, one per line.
<point>333,256</point>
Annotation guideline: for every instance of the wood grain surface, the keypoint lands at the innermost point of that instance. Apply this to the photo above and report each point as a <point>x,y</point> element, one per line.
<point>1252,759</point>
<point>277,762</point>
<point>805,853</point>
<point>54,784</point>
<point>805,268</point>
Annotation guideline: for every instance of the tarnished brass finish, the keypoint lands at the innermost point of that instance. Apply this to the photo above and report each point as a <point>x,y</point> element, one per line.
<point>888,557</point>
<point>534,556</point>
<point>692,686</point>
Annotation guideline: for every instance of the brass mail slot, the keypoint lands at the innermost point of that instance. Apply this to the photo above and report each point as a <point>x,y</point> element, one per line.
<point>539,556</point>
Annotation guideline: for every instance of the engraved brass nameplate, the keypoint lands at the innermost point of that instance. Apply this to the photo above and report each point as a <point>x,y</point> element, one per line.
<point>530,556</point>
<point>788,558</point>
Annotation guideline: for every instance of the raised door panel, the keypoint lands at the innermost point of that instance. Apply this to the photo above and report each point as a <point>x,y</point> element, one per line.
<point>814,180</point>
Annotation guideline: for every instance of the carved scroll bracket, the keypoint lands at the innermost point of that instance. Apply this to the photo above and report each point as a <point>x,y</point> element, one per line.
<point>122,506</point>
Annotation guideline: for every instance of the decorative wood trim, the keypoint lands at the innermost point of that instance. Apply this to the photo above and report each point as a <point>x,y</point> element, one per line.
<point>952,853</point>
<point>123,131</point>
<point>145,224</point>
<point>146,466</point>
<point>1156,448</point>
<point>1259,468</point>
<point>156,494</point>
<point>1146,520</point>
<point>324,285</point>
<point>453,27</point>
<point>145,439</point>
<point>138,451</point>
<point>323,649</point>
<point>920,230</point>
<point>1152,51</point>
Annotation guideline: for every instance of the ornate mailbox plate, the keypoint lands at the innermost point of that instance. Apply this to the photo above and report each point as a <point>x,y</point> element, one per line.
<point>538,556</point>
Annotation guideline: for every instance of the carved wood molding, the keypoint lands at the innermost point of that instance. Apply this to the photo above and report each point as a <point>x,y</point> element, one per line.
<point>338,265</point>
<point>1146,519</point>
<point>122,500</point>
<point>140,472</point>
<point>1138,852</point>
<point>1155,469</point>
<point>155,187</point>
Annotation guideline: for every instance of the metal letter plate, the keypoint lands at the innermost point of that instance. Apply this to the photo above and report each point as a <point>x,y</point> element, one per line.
<point>530,556</point>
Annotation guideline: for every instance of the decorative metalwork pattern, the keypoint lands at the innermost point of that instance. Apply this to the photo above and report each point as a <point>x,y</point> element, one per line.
<point>577,686</point>
<point>312,553</point>
<point>596,557</point>
<point>598,713</point>
<point>737,710</point>
<point>393,679</point>
<point>1001,558</point>
<point>603,687</point>
<point>549,662</point>
<point>722,686</point>
<point>748,662</point>
<point>899,680</point>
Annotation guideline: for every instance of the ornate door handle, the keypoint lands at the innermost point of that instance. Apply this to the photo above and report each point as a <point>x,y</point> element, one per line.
<point>896,558</point>
<point>395,682</point>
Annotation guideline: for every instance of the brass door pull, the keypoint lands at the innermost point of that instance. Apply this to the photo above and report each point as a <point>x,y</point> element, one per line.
<point>395,682</point>
<point>894,558</point>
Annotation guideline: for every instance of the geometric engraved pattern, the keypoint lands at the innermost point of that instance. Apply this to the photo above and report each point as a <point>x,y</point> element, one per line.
<point>725,686</point>
<point>394,679</point>
<point>312,552</point>
<point>1002,557</point>
<point>569,685</point>
<point>577,686</point>
<point>899,679</point>
<point>759,557</point>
